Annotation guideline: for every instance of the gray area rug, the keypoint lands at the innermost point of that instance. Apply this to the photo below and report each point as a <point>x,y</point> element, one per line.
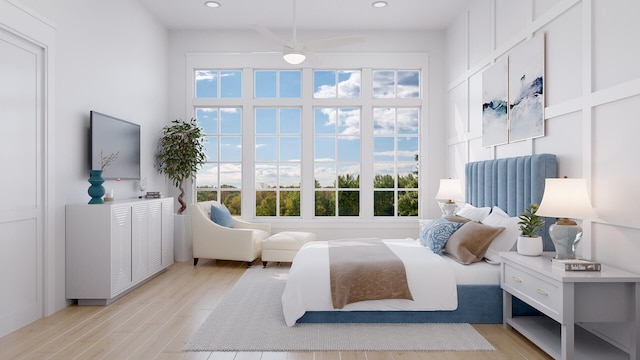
<point>250,318</point>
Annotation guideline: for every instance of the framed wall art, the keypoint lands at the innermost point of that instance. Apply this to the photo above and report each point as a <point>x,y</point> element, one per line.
<point>495,102</point>
<point>526,90</point>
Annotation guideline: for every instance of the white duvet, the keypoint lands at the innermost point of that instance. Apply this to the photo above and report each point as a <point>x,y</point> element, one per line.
<point>431,281</point>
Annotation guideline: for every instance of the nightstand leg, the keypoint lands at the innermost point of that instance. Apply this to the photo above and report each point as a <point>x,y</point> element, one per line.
<point>635,326</point>
<point>507,309</point>
<point>568,323</point>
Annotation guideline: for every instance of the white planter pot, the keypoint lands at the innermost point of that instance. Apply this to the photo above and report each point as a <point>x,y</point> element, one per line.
<point>529,246</point>
<point>182,240</point>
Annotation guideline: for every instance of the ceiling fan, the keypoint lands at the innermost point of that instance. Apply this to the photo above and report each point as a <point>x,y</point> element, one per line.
<point>294,52</point>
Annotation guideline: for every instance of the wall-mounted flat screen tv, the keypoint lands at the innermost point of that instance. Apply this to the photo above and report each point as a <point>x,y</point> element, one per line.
<point>110,135</point>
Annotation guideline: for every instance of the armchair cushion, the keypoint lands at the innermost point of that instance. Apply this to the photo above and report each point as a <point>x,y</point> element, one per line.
<point>221,216</point>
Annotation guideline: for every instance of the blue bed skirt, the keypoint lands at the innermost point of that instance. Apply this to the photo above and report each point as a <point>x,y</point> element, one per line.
<point>477,304</point>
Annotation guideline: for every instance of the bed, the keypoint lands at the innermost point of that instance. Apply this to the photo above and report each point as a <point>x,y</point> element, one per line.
<point>510,184</point>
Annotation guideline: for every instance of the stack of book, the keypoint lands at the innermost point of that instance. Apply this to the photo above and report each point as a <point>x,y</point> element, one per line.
<point>153,195</point>
<point>576,265</point>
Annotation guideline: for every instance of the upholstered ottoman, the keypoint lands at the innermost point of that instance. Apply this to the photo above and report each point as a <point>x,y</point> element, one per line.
<point>284,246</point>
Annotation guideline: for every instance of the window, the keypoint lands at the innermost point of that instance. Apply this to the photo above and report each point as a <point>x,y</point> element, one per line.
<point>325,143</point>
<point>221,177</point>
<point>395,161</point>
<point>277,84</point>
<point>218,83</point>
<point>398,84</point>
<point>277,161</point>
<point>337,161</point>
<point>329,84</point>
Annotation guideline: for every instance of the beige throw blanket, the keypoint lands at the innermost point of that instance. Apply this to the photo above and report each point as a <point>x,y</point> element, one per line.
<point>365,269</point>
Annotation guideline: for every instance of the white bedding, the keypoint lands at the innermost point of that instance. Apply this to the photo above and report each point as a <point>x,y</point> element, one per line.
<point>431,280</point>
<point>480,273</point>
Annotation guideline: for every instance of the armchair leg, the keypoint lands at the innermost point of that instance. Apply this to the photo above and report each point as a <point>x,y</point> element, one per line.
<point>264,264</point>
<point>195,261</point>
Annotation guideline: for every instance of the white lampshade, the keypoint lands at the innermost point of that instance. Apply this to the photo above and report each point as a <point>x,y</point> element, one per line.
<point>449,190</point>
<point>566,198</point>
<point>293,57</point>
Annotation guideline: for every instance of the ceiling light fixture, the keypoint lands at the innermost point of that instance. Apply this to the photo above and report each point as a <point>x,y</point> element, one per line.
<point>292,56</point>
<point>212,4</point>
<point>379,4</point>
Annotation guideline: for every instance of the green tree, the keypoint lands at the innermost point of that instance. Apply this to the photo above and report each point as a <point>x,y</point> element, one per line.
<point>408,203</point>
<point>383,182</point>
<point>290,203</point>
<point>325,203</point>
<point>232,200</point>
<point>266,203</point>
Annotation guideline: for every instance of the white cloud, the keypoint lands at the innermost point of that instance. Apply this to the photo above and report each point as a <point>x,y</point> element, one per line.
<point>206,75</point>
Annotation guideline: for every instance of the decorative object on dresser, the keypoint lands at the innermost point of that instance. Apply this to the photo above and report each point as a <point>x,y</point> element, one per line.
<point>448,193</point>
<point>142,186</point>
<point>96,190</point>
<point>563,199</point>
<point>571,304</point>
<point>153,195</point>
<point>529,242</point>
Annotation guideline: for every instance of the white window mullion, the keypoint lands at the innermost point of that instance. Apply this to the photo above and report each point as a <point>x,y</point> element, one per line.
<point>248,146</point>
<point>307,195</point>
<point>366,144</point>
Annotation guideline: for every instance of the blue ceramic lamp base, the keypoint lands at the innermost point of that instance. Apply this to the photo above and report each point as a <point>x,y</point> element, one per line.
<point>565,238</point>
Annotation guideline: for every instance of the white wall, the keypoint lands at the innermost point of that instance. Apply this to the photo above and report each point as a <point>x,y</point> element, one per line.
<point>111,56</point>
<point>592,94</point>
<point>183,42</point>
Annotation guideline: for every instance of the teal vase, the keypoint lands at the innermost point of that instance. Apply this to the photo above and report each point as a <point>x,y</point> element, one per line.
<point>96,190</point>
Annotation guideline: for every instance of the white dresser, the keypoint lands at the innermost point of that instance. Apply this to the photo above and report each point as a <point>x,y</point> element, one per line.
<point>569,297</point>
<point>113,247</point>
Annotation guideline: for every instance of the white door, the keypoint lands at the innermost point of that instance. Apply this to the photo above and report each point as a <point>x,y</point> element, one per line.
<point>21,182</point>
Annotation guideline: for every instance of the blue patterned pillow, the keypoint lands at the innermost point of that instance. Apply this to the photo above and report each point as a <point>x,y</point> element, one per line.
<point>435,234</point>
<point>221,216</point>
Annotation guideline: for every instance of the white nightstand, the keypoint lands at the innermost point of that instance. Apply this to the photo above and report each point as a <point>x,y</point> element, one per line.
<point>567,298</point>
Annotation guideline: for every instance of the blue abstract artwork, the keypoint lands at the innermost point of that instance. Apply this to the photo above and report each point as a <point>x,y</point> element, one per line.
<point>495,84</point>
<point>526,90</point>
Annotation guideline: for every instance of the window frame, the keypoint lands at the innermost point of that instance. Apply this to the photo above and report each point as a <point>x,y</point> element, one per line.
<point>366,63</point>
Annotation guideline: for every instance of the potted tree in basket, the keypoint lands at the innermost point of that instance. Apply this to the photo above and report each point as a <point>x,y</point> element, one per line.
<point>529,242</point>
<point>180,154</point>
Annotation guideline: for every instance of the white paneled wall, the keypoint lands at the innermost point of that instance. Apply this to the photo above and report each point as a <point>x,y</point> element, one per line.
<point>592,95</point>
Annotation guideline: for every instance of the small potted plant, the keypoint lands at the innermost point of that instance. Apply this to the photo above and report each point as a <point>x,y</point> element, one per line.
<point>529,242</point>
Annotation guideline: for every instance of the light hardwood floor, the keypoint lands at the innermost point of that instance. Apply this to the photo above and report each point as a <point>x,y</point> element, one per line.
<point>156,319</point>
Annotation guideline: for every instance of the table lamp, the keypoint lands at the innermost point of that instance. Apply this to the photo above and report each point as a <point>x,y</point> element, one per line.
<point>564,199</point>
<point>447,195</point>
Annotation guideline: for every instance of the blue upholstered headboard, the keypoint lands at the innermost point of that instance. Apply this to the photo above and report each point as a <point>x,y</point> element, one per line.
<point>511,184</point>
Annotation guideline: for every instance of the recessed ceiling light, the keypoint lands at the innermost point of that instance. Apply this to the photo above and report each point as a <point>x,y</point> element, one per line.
<point>379,4</point>
<point>212,4</point>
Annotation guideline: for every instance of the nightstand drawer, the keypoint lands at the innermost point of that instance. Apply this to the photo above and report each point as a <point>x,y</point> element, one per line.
<point>542,294</point>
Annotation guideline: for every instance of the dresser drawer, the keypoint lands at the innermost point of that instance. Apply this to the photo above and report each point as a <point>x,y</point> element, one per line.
<point>538,292</point>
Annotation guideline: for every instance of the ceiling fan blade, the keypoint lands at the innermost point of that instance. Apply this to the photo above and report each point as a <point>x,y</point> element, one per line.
<point>333,42</point>
<point>269,35</point>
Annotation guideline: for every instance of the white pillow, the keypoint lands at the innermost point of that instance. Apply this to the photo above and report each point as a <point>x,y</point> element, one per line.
<point>506,240</point>
<point>474,213</point>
